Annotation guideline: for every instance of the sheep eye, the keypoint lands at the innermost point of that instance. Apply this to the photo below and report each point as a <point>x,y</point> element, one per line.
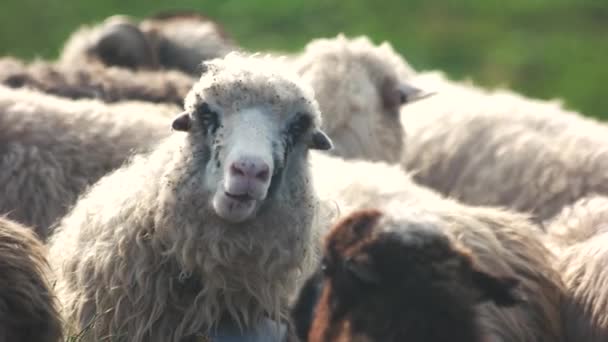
<point>299,125</point>
<point>206,116</point>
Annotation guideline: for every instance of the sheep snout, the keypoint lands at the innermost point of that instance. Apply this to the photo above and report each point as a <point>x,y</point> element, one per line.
<point>245,187</point>
<point>248,176</point>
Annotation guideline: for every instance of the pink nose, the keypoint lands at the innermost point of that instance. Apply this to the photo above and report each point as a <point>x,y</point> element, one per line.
<point>252,168</point>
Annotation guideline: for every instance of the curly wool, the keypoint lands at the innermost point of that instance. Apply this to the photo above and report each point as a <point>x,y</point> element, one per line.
<point>94,80</point>
<point>51,149</point>
<point>28,310</point>
<point>502,242</point>
<point>499,148</point>
<point>144,256</point>
<point>579,236</point>
<point>349,76</point>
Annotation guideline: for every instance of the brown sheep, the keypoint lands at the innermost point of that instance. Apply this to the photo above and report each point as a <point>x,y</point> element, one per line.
<point>503,242</point>
<point>94,80</point>
<point>579,236</point>
<point>28,309</point>
<point>52,148</point>
<point>400,280</point>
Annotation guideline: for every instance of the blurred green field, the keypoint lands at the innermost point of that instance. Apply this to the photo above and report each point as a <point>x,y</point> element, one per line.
<point>542,48</point>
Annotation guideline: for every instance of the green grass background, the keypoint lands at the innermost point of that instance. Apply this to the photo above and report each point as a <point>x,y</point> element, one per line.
<point>542,48</point>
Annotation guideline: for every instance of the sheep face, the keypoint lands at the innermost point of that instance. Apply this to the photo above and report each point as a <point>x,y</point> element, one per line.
<point>387,280</point>
<point>250,130</point>
<point>360,88</point>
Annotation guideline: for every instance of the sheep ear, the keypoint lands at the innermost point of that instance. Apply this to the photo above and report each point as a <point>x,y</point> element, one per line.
<point>395,95</point>
<point>409,94</point>
<point>320,141</point>
<point>182,122</point>
<point>500,290</point>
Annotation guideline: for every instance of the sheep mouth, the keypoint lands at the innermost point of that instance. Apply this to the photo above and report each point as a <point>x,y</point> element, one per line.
<point>239,197</point>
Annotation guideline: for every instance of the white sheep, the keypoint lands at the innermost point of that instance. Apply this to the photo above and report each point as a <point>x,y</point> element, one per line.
<point>52,148</point>
<point>360,88</point>
<point>502,242</point>
<point>499,148</point>
<point>215,223</point>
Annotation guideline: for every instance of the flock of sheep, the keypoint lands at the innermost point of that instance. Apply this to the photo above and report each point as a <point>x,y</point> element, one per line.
<point>160,183</point>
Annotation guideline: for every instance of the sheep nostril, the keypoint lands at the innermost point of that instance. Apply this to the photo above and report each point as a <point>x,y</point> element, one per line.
<point>263,174</point>
<point>236,170</point>
<point>251,168</point>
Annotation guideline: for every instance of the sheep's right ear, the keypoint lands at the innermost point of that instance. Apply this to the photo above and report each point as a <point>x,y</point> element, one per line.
<point>182,122</point>
<point>320,141</point>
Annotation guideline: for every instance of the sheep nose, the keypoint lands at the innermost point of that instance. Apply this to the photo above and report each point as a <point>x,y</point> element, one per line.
<point>250,167</point>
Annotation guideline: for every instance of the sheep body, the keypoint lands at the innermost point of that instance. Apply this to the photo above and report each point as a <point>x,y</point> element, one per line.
<point>499,148</point>
<point>94,80</point>
<point>51,149</point>
<point>502,242</point>
<point>150,244</point>
<point>579,236</point>
<point>28,310</point>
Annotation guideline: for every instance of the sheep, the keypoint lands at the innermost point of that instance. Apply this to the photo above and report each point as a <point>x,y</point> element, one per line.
<point>93,80</point>
<point>398,279</point>
<point>28,309</point>
<point>503,242</point>
<point>579,236</point>
<point>214,223</point>
<point>167,40</point>
<point>52,148</point>
<point>502,149</point>
<point>360,88</point>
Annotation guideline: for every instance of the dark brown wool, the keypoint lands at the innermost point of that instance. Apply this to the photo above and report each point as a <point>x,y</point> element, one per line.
<point>28,310</point>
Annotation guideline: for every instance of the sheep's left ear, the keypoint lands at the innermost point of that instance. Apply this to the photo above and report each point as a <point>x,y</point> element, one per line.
<point>182,122</point>
<point>320,141</point>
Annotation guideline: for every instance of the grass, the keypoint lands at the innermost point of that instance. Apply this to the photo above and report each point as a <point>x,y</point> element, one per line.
<point>542,48</point>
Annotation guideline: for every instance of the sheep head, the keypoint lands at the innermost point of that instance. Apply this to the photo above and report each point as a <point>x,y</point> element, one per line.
<point>360,88</point>
<point>391,280</point>
<point>120,42</point>
<point>251,125</point>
